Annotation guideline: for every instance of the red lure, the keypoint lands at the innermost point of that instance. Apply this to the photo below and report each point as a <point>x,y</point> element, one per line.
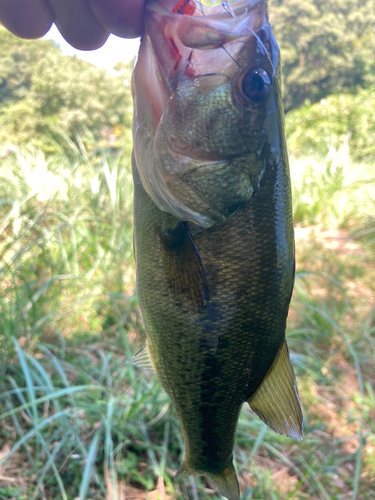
<point>186,7</point>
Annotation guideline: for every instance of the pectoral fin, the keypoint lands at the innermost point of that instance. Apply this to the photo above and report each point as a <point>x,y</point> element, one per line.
<point>276,401</point>
<point>184,269</point>
<point>142,359</point>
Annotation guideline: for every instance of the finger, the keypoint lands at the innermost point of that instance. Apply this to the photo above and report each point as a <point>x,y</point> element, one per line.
<point>26,18</point>
<point>121,17</point>
<point>78,25</point>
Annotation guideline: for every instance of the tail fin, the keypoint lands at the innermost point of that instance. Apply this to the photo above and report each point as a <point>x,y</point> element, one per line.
<point>226,481</point>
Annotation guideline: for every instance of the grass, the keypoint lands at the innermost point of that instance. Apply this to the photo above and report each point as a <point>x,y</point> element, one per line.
<point>77,422</point>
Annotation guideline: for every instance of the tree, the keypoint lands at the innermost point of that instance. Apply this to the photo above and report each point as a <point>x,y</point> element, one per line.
<point>339,120</point>
<point>44,93</point>
<point>327,47</point>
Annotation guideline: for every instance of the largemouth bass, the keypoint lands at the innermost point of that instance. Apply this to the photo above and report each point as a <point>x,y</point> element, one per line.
<point>213,239</point>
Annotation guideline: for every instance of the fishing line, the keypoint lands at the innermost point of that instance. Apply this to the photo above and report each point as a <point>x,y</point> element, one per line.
<point>213,74</point>
<point>228,8</point>
<point>264,47</point>
<point>190,56</point>
<point>233,59</point>
<point>201,6</point>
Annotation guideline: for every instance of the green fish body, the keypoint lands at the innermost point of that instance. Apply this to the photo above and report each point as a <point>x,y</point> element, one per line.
<point>213,236</point>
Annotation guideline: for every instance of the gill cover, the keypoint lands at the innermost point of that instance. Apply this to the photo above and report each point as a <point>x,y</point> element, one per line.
<point>203,80</point>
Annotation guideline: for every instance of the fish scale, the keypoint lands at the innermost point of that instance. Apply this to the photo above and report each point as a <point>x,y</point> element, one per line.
<point>215,269</point>
<point>241,289</point>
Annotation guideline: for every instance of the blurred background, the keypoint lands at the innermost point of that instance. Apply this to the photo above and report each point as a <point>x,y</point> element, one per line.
<point>76,422</point>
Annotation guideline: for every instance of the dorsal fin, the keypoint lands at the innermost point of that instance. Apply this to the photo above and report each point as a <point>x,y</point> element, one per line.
<point>276,401</point>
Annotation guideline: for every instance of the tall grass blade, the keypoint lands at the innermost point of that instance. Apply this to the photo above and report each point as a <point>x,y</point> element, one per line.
<point>31,434</point>
<point>358,462</point>
<point>48,397</point>
<point>89,466</point>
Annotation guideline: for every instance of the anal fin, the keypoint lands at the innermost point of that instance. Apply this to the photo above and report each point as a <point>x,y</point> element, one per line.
<point>142,359</point>
<point>276,401</point>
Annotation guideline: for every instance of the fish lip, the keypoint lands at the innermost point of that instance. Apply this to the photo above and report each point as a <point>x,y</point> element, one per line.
<point>182,34</point>
<point>237,8</point>
<point>232,16</point>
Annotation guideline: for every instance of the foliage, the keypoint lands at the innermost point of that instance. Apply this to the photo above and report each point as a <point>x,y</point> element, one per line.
<point>77,421</point>
<point>332,193</point>
<point>65,233</point>
<point>334,122</point>
<point>44,93</point>
<point>327,47</point>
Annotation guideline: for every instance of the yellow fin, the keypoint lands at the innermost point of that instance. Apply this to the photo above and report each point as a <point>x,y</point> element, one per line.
<point>276,401</point>
<point>142,359</point>
<point>227,483</point>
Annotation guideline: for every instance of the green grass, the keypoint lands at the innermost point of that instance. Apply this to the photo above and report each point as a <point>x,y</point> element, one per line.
<point>76,421</point>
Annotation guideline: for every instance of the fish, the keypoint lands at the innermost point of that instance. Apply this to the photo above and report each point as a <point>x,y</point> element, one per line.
<point>213,228</point>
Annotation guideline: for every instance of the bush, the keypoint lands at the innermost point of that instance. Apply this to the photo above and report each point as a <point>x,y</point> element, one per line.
<point>333,122</point>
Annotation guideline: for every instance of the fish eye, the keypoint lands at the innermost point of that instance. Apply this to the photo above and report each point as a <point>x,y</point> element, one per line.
<point>256,85</point>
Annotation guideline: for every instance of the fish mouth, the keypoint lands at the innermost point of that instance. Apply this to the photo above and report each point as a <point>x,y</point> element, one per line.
<point>189,56</point>
<point>184,42</point>
<point>197,8</point>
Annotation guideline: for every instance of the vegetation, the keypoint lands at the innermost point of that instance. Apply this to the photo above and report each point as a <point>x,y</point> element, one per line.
<point>44,94</point>
<point>327,47</point>
<point>76,421</point>
<point>337,122</point>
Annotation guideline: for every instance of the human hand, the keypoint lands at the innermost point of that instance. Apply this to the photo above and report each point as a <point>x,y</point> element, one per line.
<point>85,24</point>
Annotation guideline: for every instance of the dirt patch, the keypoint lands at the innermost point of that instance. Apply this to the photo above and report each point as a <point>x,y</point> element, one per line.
<point>10,471</point>
<point>338,409</point>
<point>341,268</point>
<point>337,240</point>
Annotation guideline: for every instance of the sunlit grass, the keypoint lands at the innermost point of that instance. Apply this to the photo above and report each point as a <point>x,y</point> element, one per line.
<point>63,247</point>
<point>333,191</point>
<point>76,421</point>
